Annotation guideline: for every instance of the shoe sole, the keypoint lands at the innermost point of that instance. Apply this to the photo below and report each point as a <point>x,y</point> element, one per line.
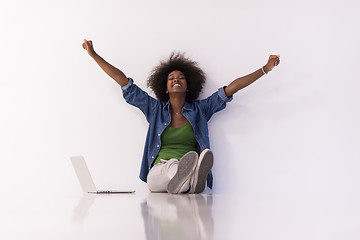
<point>186,167</point>
<point>205,162</point>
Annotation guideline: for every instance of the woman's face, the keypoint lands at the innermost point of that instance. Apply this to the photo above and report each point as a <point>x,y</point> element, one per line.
<point>176,82</point>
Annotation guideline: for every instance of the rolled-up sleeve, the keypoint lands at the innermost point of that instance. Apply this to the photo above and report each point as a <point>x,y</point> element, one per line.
<point>223,96</point>
<point>127,86</point>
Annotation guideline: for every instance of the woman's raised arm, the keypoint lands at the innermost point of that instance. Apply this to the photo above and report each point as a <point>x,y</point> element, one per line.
<point>110,70</point>
<point>245,81</point>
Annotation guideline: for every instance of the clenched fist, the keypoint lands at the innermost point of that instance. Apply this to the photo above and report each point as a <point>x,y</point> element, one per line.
<point>88,46</point>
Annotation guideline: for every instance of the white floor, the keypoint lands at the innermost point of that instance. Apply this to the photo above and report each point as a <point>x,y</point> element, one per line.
<point>144,215</point>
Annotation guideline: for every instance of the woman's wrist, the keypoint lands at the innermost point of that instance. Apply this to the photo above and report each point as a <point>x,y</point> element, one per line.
<point>264,70</point>
<point>93,54</point>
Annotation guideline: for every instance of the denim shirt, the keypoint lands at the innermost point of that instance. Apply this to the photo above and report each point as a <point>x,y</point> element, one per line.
<point>158,115</point>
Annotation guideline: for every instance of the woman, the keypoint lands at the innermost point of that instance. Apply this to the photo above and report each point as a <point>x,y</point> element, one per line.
<point>176,155</point>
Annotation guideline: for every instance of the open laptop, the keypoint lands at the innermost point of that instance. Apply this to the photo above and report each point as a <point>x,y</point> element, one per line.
<point>86,180</point>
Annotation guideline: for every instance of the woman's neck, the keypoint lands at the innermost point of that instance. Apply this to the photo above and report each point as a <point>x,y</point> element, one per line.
<point>177,103</point>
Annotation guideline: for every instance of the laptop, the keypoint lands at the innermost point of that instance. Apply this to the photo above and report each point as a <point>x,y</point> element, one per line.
<point>86,180</point>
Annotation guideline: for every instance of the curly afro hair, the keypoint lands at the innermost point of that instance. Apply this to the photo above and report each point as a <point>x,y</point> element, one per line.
<point>195,77</point>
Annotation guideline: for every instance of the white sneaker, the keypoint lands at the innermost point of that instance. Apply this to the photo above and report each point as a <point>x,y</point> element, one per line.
<point>203,167</point>
<point>186,167</point>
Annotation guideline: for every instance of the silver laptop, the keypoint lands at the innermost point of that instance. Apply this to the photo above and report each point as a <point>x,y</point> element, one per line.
<point>86,180</point>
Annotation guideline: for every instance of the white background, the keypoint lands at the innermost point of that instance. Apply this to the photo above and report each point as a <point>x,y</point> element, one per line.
<point>295,131</point>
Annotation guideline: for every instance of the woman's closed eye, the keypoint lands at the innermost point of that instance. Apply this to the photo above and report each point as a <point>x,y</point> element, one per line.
<point>172,78</point>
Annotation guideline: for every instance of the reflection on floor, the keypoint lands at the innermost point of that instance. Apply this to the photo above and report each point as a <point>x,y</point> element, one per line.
<point>184,216</point>
<point>165,216</point>
<point>254,214</point>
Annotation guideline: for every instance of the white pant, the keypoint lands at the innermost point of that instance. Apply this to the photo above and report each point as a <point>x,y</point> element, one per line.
<point>160,175</point>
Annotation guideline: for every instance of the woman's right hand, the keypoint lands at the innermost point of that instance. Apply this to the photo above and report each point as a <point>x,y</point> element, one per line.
<point>88,46</point>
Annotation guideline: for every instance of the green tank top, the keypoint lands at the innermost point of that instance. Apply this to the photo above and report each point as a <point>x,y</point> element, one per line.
<point>175,142</point>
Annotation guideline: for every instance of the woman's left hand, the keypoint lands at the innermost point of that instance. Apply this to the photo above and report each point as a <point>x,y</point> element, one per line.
<point>273,61</point>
